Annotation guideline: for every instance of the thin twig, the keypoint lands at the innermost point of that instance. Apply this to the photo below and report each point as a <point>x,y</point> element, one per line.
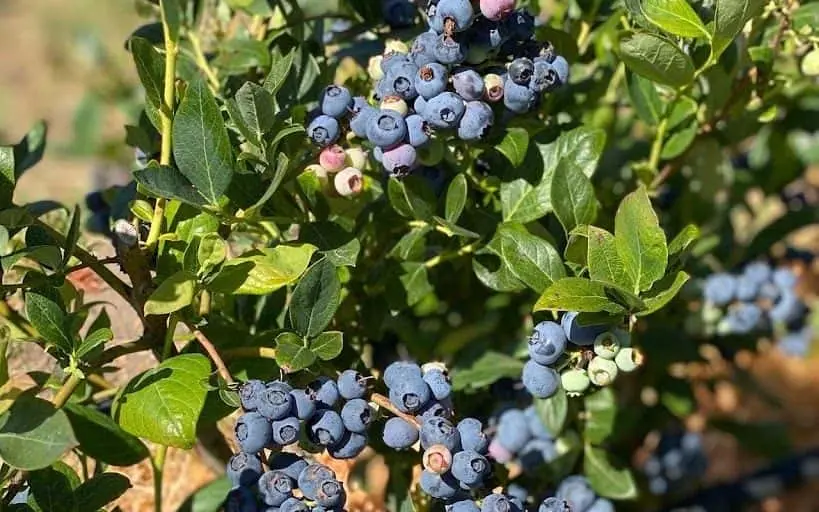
<point>382,401</point>
<point>213,354</point>
<point>66,390</point>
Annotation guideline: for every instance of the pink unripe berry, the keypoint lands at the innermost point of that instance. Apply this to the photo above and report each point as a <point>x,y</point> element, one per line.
<point>332,158</point>
<point>493,87</point>
<point>349,182</point>
<point>496,10</point>
<point>400,160</point>
<point>499,453</point>
<point>437,458</point>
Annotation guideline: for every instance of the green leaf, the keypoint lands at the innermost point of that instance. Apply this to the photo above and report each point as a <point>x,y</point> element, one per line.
<point>33,434</point>
<point>315,299</point>
<point>163,404</point>
<point>657,59</point>
<point>7,178</point>
<point>529,258</point>
<point>337,244</point>
<point>450,229</point>
<point>730,16</point>
<point>675,17</point>
<point>209,498</point>
<point>601,410</point>
<point>93,341</point>
<point>491,367</point>
<point>52,489</point>
<point>411,198</point>
<point>72,236</point>
<point>572,196</point>
<point>456,195</point>
<point>680,141</point>
<point>264,271</point>
<point>293,353</point>
<point>640,240</point>
<point>553,411</point>
<point>327,345</point>
<point>279,69</point>
<point>578,294</point>
<point>603,259</point>
<point>415,280</point>
<point>50,320</point>
<point>684,238</point>
<point>101,438</point>
<point>150,66</point>
<point>605,479</point>
<point>168,182</point>
<point>201,145</point>
<point>491,267</point>
<point>172,17</point>
<point>663,291</point>
<point>173,294</point>
<point>255,107</point>
<point>411,246</point>
<point>514,144</point>
<point>211,252</point>
<point>101,490</point>
<point>645,99</point>
<point>29,151</point>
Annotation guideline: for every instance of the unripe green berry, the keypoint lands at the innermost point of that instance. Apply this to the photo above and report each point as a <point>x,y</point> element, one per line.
<point>374,68</point>
<point>316,169</point>
<point>395,46</point>
<point>355,157</point>
<point>602,372</point>
<point>609,343</point>
<point>396,104</point>
<point>629,359</point>
<point>711,314</point>
<point>575,382</point>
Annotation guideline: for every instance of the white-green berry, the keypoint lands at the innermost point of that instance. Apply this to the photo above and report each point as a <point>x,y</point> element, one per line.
<point>602,372</point>
<point>711,314</point>
<point>629,359</point>
<point>575,382</point>
<point>609,343</point>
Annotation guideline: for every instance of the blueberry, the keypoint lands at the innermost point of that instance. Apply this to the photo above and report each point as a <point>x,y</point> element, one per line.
<point>583,335</point>
<point>788,308</point>
<point>561,67</point>
<point>324,130</point>
<point>400,160</point>
<point>401,371</point>
<point>444,110</point>
<point>275,402</point>
<point>410,395</point>
<point>758,272</point>
<point>535,424</point>
<point>469,467</point>
<point>602,371</point>
<point>468,84</point>
<point>311,477</point>
<point>472,435</point>
<point>330,493</point>
<point>465,505</point>
<point>450,50</point>
<point>517,492</point>
<point>434,409</point>
<point>275,487</point>
<point>293,505</point>
<point>609,343</point>
<point>357,415</point>
<point>784,278</point>
<point>325,391</point>
<point>577,492</point>
<point>521,25</point>
<point>386,129</point>
<point>554,505</point>
<point>335,101</point>
<point>249,394</point>
<point>544,78</point>
<point>541,381</point>
<point>547,343</point>
<point>325,427</point>
<point>420,105</point>
<point>351,385</point>
<point>658,486</point>
<point>521,71</point>
<point>350,446</point>
<point>422,49</point>
<point>499,503</point>
<point>393,60</point>
<point>437,430</point>
<point>476,122</point>
<point>537,452</point>
<point>438,383</point>
<point>452,16</point>
<point>442,487</point>
<point>513,430</point>
<point>652,466</point>
<point>518,98</point>
<point>399,434</point>
<point>378,154</point>
<point>628,359</point>
<point>241,499</point>
<point>497,9</point>
<point>289,463</point>
<point>400,81</point>
<point>797,343</point>
<point>720,289</point>
<point>286,431</point>
<point>244,469</point>
<point>304,403</point>
<point>253,432</point>
<point>398,13</point>
<point>744,318</point>
<point>431,80</point>
<point>418,131</point>
<point>360,120</point>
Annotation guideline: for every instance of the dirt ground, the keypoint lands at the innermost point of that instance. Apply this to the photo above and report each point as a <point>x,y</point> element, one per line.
<point>51,55</point>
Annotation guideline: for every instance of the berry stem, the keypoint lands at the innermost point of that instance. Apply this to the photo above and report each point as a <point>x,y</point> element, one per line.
<point>212,353</point>
<point>66,390</point>
<point>382,401</point>
<point>158,465</point>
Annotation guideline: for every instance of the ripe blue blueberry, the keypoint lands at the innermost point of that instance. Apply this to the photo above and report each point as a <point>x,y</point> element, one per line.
<point>399,434</point>
<point>252,432</point>
<point>351,385</point>
<point>784,278</point>
<point>304,403</point>
<point>335,101</point>
<point>437,430</point>
<point>541,381</point>
<point>241,499</point>
<point>400,160</point>
<point>787,308</point>
<point>513,431</point>
<point>434,409</point>
<point>444,110</point>
<point>472,435</point>
<point>289,463</point>
<point>350,446</point>
<point>311,477</point>
<point>422,51</point>
<point>330,493</point>
<point>544,77</point>
<point>360,120</point>
<point>442,487</point>
<point>797,343</point>
<point>759,272</point>
<point>275,487</point>
<point>561,67</point>
<point>583,335</point>
<point>747,288</point>
<point>521,70</point>
<point>386,128</point>
<point>601,505</point>
<point>499,503</point>
<point>324,130</point>
<point>554,505</point>
<point>720,289</point>
<point>520,25</point>
<point>439,383</point>
<point>275,402</point>
<point>431,80</point>
<point>450,50</point>
<point>469,467</point>
<point>325,427</point>
<point>517,492</point>
<point>286,431</point>
<point>547,343</point>
<point>400,371</point>
<point>411,395</point>
<point>465,505</point>
<point>418,130</point>
<point>392,60</point>
<point>577,492</point>
<point>476,122</point>
<point>244,469</point>
<point>249,394</point>
<point>535,424</point>
<point>518,98</point>
<point>400,80</point>
<point>398,13</point>
<point>420,105</point>
<point>357,415</point>
<point>452,16</point>
<point>325,391</point>
<point>293,505</point>
<point>744,318</point>
<point>537,452</point>
<point>468,84</point>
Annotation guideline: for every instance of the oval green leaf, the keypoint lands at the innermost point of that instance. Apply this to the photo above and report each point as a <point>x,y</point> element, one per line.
<point>657,59</point>
<point>33,434</point>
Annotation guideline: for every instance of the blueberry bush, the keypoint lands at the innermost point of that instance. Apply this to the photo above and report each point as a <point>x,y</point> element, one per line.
<point>470,236</point>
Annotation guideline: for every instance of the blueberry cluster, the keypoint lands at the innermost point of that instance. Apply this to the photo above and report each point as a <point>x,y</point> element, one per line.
<point>521,435</point>
<point>574,494</point>
<point>607,350</point>
<point>678,461</point>
<point>757,299</point>
<point>447,82</point>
